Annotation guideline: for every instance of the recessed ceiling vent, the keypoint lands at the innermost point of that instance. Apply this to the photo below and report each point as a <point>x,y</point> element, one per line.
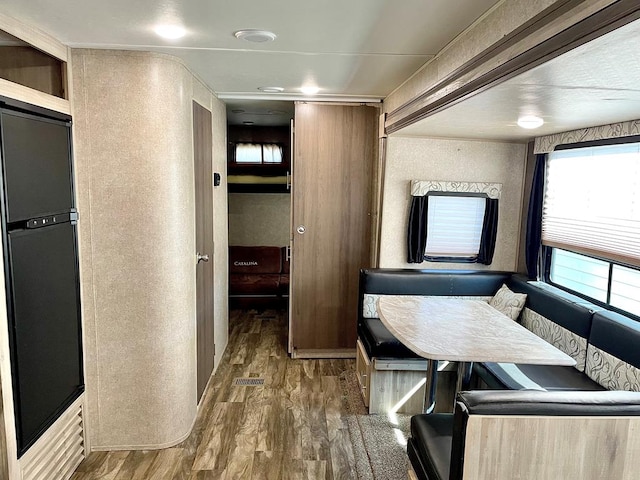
<point>255,36</point>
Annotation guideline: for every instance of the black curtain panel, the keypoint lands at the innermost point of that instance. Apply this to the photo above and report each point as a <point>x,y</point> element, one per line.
<point>417,230</point>
<point>489,232</point>
<point>534,217</point>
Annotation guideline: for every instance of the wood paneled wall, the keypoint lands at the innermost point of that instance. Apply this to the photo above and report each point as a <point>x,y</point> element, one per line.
<point>335,151</point>
<point>567,448</point>
<point>34,69</point>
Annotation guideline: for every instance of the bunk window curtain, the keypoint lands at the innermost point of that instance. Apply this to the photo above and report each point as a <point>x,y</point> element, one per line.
<point>592,202</point>
<point>258,153</point>
<point>453,221</point>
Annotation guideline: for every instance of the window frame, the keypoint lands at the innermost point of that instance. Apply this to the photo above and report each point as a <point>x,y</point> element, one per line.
<point>454,259</point>
<point>547,253</point>
<point>281,146</point>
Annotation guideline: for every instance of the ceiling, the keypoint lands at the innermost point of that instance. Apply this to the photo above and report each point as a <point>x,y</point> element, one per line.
<point>357,50</point>
<point>595,84</point>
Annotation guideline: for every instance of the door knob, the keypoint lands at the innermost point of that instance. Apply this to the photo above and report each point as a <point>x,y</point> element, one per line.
<point>301,229</point>
<point>202,258</point>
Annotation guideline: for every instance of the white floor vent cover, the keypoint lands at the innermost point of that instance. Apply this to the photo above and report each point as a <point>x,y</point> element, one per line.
<point>248,382</point>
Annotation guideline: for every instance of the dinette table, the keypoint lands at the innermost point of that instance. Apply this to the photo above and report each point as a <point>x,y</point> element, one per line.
<point>462,330</point>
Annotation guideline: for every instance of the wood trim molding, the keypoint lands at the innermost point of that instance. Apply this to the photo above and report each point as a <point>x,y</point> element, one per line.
<point>556,30</point>
<point>488,436</point>
<point>9,467</point>
<point>323,353</point>
<point>38,39</point>
<point>34,97</point>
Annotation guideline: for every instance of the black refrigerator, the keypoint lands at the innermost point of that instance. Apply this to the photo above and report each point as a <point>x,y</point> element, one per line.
<point>41,268</point>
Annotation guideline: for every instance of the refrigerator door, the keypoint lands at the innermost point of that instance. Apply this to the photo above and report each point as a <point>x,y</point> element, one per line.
<point>36,155</point>
<point>46,336</point>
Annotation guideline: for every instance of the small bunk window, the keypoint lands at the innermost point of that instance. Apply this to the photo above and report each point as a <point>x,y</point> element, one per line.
<point>258,153</point>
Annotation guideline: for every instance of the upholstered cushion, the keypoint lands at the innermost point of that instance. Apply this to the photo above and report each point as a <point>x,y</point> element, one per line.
<point>611,372</point>
<point>284,284</point>
<point>391,281</point>
<point>370,301</point>
<point>613,354</point>
<point>569,342</point>
<point>254,260</point>
<point>508,302</point>
<point>568,311</point>
<point>258,284</point>
<point>533,377</point>
<point>531,402</point>
<point>379,342</point>
<point>431,437</point>
<point>618,335</point>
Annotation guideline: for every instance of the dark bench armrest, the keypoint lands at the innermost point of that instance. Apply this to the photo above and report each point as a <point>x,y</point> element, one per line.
<point>533,402</point>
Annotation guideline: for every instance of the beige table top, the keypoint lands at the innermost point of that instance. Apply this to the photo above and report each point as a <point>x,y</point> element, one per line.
<point>464,330</point>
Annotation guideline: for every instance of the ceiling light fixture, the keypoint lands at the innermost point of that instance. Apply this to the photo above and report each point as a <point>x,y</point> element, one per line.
<point>247,122</point>
<point>530,122</point>
<point>271,89</point>
<point>237,111</point>
<point>255,36</point>
<point>171,32</point>
<point>309,90</point>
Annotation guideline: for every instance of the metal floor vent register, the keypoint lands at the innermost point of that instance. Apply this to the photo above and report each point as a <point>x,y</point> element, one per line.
<point>248,382</point>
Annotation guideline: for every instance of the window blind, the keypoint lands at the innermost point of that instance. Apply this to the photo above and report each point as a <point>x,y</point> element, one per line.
<point>454,225</point>
<point>592,202</point>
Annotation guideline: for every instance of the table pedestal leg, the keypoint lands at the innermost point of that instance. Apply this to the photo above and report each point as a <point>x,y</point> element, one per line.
<point>464,379</point>
<point>430,386</point>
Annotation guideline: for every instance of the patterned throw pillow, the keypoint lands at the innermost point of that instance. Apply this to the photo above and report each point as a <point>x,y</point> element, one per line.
<point>508,302</point>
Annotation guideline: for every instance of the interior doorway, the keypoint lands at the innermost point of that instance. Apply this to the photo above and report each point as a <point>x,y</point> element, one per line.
<point>259,180</point>
<point>203,169</point>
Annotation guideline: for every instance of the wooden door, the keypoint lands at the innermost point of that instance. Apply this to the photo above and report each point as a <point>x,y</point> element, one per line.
<point>335,151</point>
<point>202,157</point>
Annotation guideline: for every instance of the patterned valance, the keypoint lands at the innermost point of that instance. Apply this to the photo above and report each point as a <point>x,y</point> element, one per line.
<point>548,143</point>
<point>420,188</point>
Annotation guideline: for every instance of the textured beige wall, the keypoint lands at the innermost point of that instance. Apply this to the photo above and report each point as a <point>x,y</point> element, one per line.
<point>135,185</point>
<point>454,160</point>
<point>259,219</point>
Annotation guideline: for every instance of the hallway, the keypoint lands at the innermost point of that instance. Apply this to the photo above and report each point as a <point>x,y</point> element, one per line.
<point>306,421</point>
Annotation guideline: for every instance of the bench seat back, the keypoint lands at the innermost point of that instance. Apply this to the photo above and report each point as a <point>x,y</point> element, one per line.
<point>613,353</point>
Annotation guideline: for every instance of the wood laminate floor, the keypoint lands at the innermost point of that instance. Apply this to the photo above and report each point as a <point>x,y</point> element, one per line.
<point>292,427</point>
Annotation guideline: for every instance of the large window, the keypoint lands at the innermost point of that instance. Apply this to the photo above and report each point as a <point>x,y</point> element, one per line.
<point>591,223</point>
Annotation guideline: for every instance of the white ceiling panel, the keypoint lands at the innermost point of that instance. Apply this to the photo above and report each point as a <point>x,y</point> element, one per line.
<point>234,72</point>
<point>354,26</point>
<point>358,47</point>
